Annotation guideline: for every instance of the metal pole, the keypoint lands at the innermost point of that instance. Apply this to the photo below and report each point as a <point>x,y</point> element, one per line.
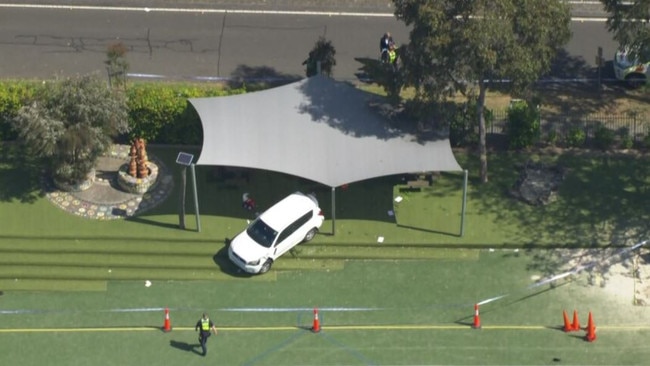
<point>181,210</point>
<point>333,210</point>
<point>196,199</point>
<point>462,212</point>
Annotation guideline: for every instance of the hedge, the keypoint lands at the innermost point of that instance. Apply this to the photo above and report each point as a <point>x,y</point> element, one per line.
<point>158,112</point>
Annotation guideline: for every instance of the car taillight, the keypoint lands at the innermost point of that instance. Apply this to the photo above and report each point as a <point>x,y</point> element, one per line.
<point>320,213</point>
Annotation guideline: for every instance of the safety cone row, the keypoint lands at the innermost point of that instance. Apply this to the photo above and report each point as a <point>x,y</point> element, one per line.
<point>571,326</point>
<point>590,336</point>
<point>316,326</point>
<point>477,319</point>
<point>167,326</point>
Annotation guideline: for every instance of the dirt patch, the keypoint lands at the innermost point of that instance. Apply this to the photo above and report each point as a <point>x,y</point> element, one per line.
<point>622,273</point>
<point>538,183</point>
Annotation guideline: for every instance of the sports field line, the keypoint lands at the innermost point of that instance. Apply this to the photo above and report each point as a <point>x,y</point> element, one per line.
<point>395,327</point>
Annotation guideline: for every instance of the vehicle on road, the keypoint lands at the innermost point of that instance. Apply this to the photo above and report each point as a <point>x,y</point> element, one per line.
<point>291,221</point>
<point>631,71</point>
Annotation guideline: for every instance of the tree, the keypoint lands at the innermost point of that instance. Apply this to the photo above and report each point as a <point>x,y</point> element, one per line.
<point>70,123</point>
<point>322,52</point>
<point>628,20</point>
<point>463,46</point>
<point>116,65</point>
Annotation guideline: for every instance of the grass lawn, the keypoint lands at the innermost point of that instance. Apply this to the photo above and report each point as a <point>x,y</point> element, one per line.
<point>73,289</point>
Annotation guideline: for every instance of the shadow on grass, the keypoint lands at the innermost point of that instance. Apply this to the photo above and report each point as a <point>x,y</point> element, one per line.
<point>429,230</point>
<point>144,220</point>
<point>226,265</point>
<point>20,176</point>
<point>601,203</point>
<point>183,346</point>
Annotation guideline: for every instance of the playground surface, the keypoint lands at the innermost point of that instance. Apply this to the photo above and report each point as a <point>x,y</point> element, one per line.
<point>74,288</point>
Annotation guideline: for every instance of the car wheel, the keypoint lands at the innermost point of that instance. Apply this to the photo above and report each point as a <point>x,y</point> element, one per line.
<point>266,266</point>
<point>635,81</point>
<point>310,234</point>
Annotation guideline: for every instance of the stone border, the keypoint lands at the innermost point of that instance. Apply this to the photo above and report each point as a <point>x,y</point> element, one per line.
<point>136,204</point>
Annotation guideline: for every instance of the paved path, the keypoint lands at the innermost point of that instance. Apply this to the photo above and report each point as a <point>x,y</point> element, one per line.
<point>104,200</point>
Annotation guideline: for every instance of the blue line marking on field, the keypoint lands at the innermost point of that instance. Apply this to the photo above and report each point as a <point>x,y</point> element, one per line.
<point>275,348</point>
<point>358,355</point>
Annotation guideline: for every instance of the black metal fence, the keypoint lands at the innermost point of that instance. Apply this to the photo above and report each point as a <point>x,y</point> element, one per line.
<point>636,126</point>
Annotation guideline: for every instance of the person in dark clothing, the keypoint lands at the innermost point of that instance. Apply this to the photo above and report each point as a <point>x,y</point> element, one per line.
<point>205,327</point>
<point>385,42</point>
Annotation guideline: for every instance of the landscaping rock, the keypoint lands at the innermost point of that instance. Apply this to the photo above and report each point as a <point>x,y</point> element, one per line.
<point>537,183</point>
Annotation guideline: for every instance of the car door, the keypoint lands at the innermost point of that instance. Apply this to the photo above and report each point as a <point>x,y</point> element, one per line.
<point>292,235</point>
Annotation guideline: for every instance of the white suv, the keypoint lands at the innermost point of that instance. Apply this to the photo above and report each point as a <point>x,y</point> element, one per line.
<point>294,219</point>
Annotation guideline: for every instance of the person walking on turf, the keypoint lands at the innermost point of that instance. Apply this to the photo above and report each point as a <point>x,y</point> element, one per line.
<point>205,327</point>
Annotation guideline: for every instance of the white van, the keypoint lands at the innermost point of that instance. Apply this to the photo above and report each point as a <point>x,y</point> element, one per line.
<point>294,219</point>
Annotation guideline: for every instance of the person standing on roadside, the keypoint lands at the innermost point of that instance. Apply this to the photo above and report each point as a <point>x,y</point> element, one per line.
<point>385,42</point>
<point>205,327</point>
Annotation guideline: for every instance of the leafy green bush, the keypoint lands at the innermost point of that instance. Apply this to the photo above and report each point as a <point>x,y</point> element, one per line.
<point>576,137</point>
<point>13,95</point>
<point>161,113</point>
<point>523,125</point>
<point>604,137</point>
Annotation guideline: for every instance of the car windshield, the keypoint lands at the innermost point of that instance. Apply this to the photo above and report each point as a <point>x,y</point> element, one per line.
<point>262,233</point>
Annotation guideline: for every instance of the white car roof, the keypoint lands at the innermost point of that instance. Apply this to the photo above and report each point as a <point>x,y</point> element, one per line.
<point>288,210</point>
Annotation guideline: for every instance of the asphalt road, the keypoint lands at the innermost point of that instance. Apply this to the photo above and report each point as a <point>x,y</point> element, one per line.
<point>202,40</point>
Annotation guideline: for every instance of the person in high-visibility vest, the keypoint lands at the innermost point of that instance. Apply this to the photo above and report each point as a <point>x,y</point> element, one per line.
<point>205,327</point>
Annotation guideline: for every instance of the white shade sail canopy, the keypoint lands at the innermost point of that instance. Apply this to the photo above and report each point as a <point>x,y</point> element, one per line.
<point>317,128</point>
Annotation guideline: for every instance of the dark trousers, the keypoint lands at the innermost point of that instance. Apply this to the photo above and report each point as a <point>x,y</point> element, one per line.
<point>203,339</point>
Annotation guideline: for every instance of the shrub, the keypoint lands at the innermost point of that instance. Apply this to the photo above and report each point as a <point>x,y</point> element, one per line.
<point>603,137</point>
<point>13,95</point>
<point>523,125</point>
<point>552,138</point>
<point>322,52</point>
<point>626,141</point>
<point>575,137</point>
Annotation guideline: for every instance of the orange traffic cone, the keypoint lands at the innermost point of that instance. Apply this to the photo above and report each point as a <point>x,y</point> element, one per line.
<point>576,323</point>
<point>591,329</point>
<point>477,319</point>
<point>167,327</point>
<point>567,325</point>
<point>316,326</point>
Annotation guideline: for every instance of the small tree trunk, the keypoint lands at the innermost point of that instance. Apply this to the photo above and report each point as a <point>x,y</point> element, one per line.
<point>480,105</point>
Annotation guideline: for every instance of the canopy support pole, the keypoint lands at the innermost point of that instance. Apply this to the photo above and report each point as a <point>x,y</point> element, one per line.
<point>181,201</point>
<point>196,199</point>
<point>462,211</point>
<point>333,211</point>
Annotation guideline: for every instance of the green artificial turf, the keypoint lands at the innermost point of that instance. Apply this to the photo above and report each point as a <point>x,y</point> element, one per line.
<point>371,312</point>
<point>73,288</point>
